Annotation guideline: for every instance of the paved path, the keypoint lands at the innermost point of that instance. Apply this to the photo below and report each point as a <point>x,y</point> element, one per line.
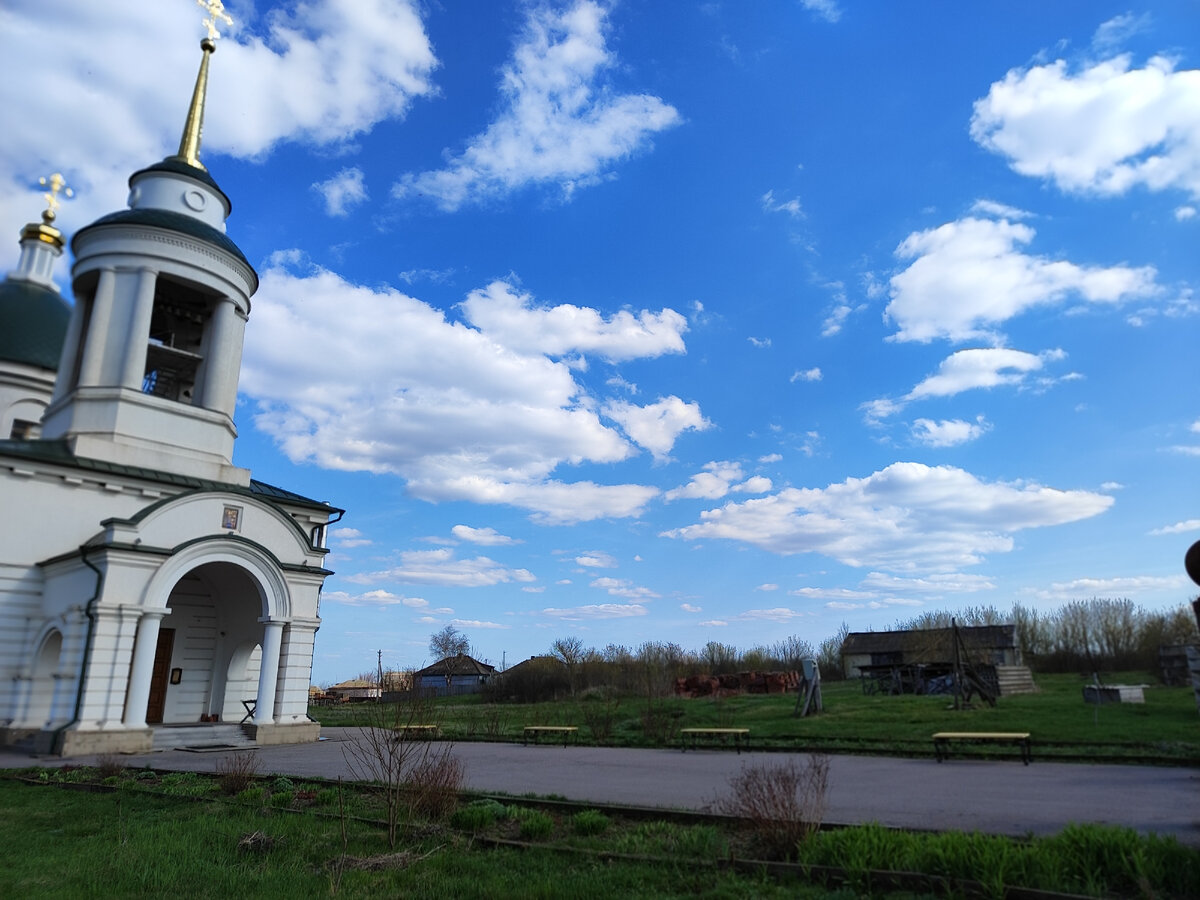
<point>999,797</point>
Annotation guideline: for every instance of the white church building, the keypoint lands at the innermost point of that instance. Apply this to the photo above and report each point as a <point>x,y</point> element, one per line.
<point>148,586</point>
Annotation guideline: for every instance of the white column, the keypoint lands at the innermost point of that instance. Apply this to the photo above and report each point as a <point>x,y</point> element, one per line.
<point>133,368</point>
<point>268,675</point>
<point>70,353</point>
<point>96,338</point>
<point>144,649</point>
<point>223,357</point>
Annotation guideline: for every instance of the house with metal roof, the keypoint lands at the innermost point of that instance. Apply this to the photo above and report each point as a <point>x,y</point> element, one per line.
<point>152,593</point>
<point>459,674</point>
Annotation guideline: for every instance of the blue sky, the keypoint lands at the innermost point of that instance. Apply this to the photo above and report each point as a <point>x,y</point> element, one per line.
<point>691,321</point>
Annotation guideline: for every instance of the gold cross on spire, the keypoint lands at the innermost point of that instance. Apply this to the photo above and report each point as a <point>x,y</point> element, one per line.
<point>57,185</point>
<point>216,12</point>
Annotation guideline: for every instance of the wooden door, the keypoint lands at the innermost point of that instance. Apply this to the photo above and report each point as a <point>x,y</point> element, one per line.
<point>159,676</point>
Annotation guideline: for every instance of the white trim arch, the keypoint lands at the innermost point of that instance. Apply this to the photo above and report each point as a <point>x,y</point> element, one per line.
<point>263,571</point>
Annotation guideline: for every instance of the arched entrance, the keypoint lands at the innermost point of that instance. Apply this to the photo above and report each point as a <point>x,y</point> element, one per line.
<point>204,661</point>
<point>43,681</point>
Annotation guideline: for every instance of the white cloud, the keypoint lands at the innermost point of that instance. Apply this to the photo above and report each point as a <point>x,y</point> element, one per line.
<point>513,319</point>
<point>948,432</point>
<point>596,611</point>
<point>1119,29</point>
<point>779,614</point>
<point>441,568</point>
<point>907,517</point>
<point>760,343</point>
<point>123,71</point>
<point>1178,528</point>
<point>1086,588</point>
<point>872,604</point>
<point>449,409</point>
<point>656,426</point>
<point>791,207</point>
<point>476,623</point>
<point>487,537</point>
<point>937,583</point>
<point>348,538</point>
<point>813,374</point>
<point>840,594</point>
<point>540,589</point>
<point>770,458</point>
<point>1103,130</point>
<point>767,587</point>
<point>621,587</point>
<point>343,191</point>
<point>1185,213</point>
<point>373,598</point>
<point>755,484</point>
<point>965,370</point>
<point>999,210</point>
<point>711,484</point>
<point>688,608</point>
<point>823,9</point>
<point>714,623</point>
<point>559,123</point>
<point>596,560</point>
<point>968,276</point>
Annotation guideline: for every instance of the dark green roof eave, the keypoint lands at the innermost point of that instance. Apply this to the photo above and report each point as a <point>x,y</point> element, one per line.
<point>178,167</point>
<point>58,453</point>
<point>171,221</point>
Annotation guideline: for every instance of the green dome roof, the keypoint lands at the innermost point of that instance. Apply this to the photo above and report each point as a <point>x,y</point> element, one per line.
<point>33,323</point>
<point>169,221</point>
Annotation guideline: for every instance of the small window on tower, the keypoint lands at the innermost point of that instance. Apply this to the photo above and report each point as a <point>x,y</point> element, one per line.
<point>23,430</point>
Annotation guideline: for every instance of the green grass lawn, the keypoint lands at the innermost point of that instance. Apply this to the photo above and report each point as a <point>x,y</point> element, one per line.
<point>77,833</point>
<point>1166,728</point>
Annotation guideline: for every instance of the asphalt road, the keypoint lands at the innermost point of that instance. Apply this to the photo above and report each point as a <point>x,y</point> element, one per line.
<point>996,797</point>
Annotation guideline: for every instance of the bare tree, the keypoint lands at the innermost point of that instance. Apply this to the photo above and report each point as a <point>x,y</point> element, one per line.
<point>570,650</point>
<point>393,749</point>
<point>448,642</point>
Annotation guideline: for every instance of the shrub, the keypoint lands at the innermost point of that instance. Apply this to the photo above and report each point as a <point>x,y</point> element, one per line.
<point>282,799</point>
<point>589,822</point>
<point>109,766</point>
<point>781,803</point>
<point>253,795</point>
<point>186,784</point>
<point>236,772</point>
<point>536,825</point>
<point>282,783</point>
<point>477,816</point>
<point>434,784</point>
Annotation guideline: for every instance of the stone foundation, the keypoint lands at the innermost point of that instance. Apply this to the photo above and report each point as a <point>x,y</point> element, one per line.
<point>298,733</point>
<point>91,743</point>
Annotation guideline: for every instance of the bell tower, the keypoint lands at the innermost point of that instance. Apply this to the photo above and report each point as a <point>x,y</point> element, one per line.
<point>149,368</point>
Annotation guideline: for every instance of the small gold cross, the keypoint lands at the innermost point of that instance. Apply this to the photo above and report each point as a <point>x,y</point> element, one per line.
<point>57,185</point>
<point>216,11</point>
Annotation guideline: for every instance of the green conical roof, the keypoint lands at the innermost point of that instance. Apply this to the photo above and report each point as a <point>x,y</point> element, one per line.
<point>33,323</point>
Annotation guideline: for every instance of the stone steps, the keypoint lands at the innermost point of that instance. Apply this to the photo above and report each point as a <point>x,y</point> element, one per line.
<point>1015,680</point>
<point>201,736</point>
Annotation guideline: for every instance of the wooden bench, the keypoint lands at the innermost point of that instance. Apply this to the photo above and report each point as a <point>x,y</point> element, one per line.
<point>739,736</point>
<point>943,739</point>
<point>536,731</point>
<point>406,731</point>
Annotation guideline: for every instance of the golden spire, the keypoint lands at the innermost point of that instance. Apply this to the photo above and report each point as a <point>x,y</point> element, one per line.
<point>189,143</point>
<point>45,232</point>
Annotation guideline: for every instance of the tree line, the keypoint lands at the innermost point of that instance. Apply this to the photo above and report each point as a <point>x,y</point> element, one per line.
<point>1096,635</point>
